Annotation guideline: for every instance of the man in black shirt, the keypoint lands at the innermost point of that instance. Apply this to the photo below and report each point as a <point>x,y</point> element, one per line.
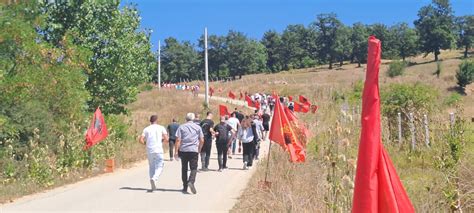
<point>222,131</point>
<point>172,127</point>
<point>206,126</point>
<point>239,115</point>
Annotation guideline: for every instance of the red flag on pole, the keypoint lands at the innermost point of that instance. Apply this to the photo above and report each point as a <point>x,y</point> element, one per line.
<point>231,95</point>
<point>377,185</point>
<point>97,130</point>
<point>304,100</point>
<point>223,110</point>
<point>302,133</point>
<point>290,98</point>
<point>249,101</point>
<point>299,107</point>
<point>282,133</point>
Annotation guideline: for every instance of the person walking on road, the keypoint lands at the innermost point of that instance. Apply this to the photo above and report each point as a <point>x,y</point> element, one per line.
<point>257,129</point>
<point>172,127</point>
<point>266,124</point>
<point>189,142</point>
<point>153,137</point>
<point>208,131</point>
<point>235,124</point>
<point>246,136</point>
<point>223,133</point>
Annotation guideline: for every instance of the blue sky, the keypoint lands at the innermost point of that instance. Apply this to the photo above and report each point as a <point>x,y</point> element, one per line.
<point>186,19</point>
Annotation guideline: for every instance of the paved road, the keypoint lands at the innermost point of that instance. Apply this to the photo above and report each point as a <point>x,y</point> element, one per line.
<point>127,191</point>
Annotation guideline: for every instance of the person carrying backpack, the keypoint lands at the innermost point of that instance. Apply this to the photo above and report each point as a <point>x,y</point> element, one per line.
<point>207,130</point>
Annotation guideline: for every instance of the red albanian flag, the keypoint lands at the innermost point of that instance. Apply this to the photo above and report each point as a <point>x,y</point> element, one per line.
<point>249,101</point>
<point>314,108</point>
<point>377,185</point>
<point>302,133</point>
<point>299,107</point>
<point>290,98</point>
<point>282,133</point>
<point>223,110</point>
<point>97,130</point>
<point>304,100</point>
<point>231,95</point>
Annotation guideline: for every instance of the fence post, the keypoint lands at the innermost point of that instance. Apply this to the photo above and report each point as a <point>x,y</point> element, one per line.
<point>399,128</point>
<point>427,130</point>
<point>412,129</point>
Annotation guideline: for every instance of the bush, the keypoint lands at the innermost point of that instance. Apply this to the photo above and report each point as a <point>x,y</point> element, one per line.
<point>453,99</point>
<point>438,69</point>
<point>396,68</point>
<point>465,74</point>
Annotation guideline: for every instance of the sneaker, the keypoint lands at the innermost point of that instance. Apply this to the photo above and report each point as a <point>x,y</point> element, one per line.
<point>230,157</point>
<point>153,186</point>
<point>225,167</point>
<point>193,189</point>
<point>219,170</point>
<point>245,166</point>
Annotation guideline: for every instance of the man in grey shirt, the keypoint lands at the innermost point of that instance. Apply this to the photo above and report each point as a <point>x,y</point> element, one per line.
<point>189,141</point>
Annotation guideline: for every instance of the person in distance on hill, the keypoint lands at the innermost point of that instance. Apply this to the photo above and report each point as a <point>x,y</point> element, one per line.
<point>208,131</point>
<point>223,133</point>
<point>153,137</point>
<point>265,124</point>
<point>189,142</point>
<point>172,127</point>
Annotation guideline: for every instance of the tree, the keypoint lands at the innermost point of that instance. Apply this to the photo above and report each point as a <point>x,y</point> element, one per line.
<point>358,40</point>
<point>180,61</point>
<point>297,47</point>
<point>465,30</point>
<point>122,57</point>
<point>405,40</point>
<point>217,51</point>
<point>244,56</point>
<point>386,36</point>
<point>465,74</point>
<point>274,49</point>
<point>435,26</point>
<point>343,44</point>
<point>327,26</point>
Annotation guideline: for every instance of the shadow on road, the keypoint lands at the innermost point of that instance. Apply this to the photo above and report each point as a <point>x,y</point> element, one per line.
<point>148,190</point>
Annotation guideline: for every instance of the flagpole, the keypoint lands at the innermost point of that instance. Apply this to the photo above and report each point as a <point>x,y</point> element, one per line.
<point>206,70</point>
<point>159,64</point>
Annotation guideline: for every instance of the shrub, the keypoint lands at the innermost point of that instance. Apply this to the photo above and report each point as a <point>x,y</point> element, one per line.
<point>465,74</point>
<point>453,99</point>
<point>438,69</point>
<point>396,68</point>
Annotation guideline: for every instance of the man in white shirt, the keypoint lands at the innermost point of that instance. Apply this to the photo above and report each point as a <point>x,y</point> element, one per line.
<point>235,124</point>
<point>153,137</point>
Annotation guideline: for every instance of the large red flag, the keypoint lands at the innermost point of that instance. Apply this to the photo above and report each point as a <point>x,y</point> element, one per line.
<point>314,108</point>
<point>290,98</point>
<point>282,133</point>
<point>377,185</point>
<point>302,133</point>
<point>223,110</point>
<point>231,95</point>
<point>97,130</point>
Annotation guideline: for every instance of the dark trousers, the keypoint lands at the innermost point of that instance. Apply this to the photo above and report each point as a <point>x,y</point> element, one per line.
<point>171,144</point>
<point>248,152</point>
<point>191,159</point>
<point>206,152</point>
<point>222,154</point>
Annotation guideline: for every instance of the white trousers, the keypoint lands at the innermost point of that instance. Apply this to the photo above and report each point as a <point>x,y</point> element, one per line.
<point>155,161</point>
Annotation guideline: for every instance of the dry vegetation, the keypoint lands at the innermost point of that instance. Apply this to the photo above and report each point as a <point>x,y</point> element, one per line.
<point>325,182</point>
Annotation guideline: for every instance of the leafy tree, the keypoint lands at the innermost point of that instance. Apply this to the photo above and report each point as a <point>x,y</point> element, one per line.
<point>435,26</point>
<point>358,40</point>
<point>465,74</point>
<point>180,60</point>
<point>343,44</point>
<point>406,40</point>
<point>122,57</point>
<point>217,50</point>
<point>244,55</point>
<point>42,86</point>
<point>298,46</point>
<point>327,26</point>
<point>465,30</point>
<point>387,36</point>
<point>274,49</point>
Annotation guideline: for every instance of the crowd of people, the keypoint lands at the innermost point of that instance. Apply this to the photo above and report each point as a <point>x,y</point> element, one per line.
<point>193,140</point>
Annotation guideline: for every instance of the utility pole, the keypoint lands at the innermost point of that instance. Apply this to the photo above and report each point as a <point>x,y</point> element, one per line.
<point>159,64</point>
<point>206,99</point>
